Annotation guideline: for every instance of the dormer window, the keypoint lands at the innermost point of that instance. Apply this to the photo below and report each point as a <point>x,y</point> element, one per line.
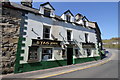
<point>85,20</point>
<point>68,18</point>
<point>47,12</point>
<point>84,23</point>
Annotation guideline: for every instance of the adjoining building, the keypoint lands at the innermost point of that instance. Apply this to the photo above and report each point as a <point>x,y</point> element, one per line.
<point>47,40</point>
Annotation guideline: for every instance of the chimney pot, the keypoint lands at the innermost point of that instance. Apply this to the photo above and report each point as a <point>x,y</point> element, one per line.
<point>27,3</point>
<point>5,2</point>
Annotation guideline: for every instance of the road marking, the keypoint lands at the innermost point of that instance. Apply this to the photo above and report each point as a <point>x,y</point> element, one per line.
<point>103,62</point>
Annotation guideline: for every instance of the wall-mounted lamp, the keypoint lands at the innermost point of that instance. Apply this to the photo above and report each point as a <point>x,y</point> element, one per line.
<point>34,32</point>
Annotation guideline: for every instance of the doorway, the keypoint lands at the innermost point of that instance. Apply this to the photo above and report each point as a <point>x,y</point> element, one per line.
<point>69,56</point>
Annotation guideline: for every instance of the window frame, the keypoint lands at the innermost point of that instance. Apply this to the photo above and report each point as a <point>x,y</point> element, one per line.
<point>68,18</point>
<point>44,33</point>
<point>84,22</point>
<point>89,52</point>
<point>47,54</point>
<point>77,52</point>
<point>63,53</point>
<point>70,36</point>
<point>31,49</point>
<point>47,12</point>
<point>86,38</point>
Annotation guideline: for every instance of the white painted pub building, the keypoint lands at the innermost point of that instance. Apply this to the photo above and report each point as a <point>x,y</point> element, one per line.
<point>52,41</point>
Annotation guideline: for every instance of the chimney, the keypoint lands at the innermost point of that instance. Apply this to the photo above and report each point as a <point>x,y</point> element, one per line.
<point>78,17</point>
<point>5,2</point>
<point>27,3</point>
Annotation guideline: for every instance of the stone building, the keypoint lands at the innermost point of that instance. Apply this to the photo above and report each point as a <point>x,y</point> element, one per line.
<point>10,27</point>
<point>35,39</point>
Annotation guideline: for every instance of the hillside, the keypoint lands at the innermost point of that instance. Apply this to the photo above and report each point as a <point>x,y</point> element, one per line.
<point>111,43</point>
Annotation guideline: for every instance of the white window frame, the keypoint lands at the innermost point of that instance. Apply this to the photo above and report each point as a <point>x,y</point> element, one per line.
<point>71,34</point>
<point>52,54</point>
<point>48,11</point>
<point>33,60</point>
<point>87,37</point>
<point>90,52</point>
<point>68,18</point>
<point>48,26</point>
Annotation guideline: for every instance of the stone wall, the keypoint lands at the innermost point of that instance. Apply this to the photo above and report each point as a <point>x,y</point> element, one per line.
<point>10,34</point>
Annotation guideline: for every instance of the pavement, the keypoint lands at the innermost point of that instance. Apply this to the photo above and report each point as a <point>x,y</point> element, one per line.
<point>59,70</point>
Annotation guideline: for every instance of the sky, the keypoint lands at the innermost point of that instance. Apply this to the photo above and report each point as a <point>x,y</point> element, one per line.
<point>104,13</point>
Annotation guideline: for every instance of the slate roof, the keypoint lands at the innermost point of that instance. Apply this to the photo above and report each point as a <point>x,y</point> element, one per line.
<point>58,17</point>
<point>36,11</point>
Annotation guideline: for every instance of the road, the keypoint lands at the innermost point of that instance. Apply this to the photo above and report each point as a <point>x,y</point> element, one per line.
<point>107,70</point>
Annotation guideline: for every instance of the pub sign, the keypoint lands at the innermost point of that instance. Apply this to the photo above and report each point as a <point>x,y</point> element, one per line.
<point>88,45</point>
<point>37,42</point>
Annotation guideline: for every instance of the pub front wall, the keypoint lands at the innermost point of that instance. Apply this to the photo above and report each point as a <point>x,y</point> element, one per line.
<point>36,22</point>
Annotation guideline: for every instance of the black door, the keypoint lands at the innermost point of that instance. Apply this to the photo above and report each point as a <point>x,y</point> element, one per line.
<point>69,56</point>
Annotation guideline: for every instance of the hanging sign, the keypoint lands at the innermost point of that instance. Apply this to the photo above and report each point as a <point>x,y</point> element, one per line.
<point>88,45</point>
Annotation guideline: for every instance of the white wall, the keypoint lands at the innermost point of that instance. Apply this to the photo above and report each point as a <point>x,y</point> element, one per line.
<point>36,22</point>
<point>80,22</point>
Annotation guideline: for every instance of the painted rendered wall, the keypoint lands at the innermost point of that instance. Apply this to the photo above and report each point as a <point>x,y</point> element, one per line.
<point>80,22</point>
<point>36,23</point>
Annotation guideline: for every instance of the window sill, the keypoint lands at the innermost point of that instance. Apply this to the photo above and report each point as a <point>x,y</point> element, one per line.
<point>47,39</point>
<point>63,55</point>
<point>48,60</point>
<point>77,55</point>
<point>34,60</point>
